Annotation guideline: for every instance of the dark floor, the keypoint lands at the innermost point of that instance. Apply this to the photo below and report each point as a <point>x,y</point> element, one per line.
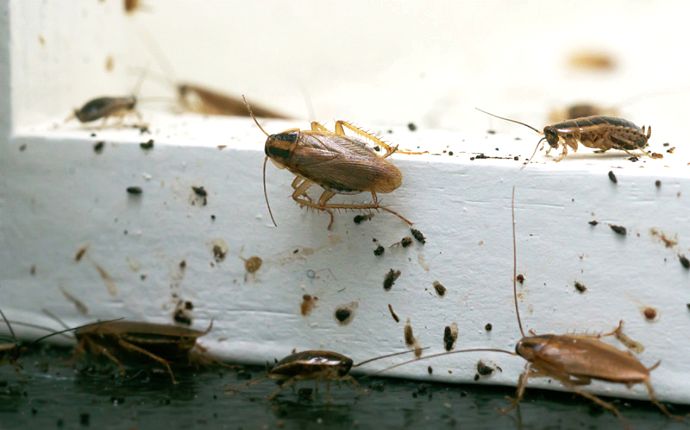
<point>50,393</point>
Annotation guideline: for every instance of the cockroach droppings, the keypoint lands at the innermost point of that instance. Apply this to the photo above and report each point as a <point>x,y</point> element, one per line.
<point>411,126</point>
<point>684,261</point>
<point>619,229</point>
<point>393,314</point>
<point>593,222</point>
<point>200,196</point>
<point>440,289</point>
<point>358,219</point>
<point>147,146</point>
<point>649,313</point>
<point>450,336</point>
<point>135,191</point>
<point>430,370</point>
<point>80,253</point>
<point>520,278</point>
<point>418,235</point>
<point>379,251</point>
<point>484,369</point>
<point>657,183</point>
<point>98,147</point>
<point>344,314</point>
<point>612,177</point>
<point>390,279</point>
<point>406,241</point>
<point>488,327</point>
<point>580,287</point>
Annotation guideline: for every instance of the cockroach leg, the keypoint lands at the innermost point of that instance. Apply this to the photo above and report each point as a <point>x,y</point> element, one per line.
<point>340,131</point>
<point>316,126</point>
<point>653,399</point>
<point>126,345</point>
<point>300,197</point>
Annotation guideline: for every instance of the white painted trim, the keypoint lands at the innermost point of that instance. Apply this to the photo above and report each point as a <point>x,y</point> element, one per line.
<point>58,195</point>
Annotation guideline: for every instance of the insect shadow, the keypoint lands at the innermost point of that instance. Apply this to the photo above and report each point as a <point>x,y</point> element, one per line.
<point>574,360</point>
<point>314,365</point>
<point>340,164</point>
<point>599,132</point>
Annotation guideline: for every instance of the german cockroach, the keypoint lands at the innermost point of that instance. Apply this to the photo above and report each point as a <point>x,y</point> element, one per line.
<point>164,344</point>
<point>338,163</point>
<point>205,101</point>
<point>316,365</point>
<point>599,132</point>
<point>12,350</point>
<point>106,107</point>
<point>573,360</point>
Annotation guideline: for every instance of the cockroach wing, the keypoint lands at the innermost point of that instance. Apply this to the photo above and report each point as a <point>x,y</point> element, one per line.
<point>588,357</point>
<point>346,171</point>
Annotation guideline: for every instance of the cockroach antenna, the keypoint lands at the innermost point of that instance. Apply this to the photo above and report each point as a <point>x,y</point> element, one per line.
<point>517,310</point>
<point>249,108</point>
<point>9,326</point>
<point>521,123</point>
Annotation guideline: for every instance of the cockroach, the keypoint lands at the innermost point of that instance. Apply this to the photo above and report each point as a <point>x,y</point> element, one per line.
<point>340,164</point>
<point>164,344</point>
<point>574,360</point>
<point>206,101</point>
<point>12,351</point>
<point>106,107</point>
<point>317,365</point>
<point>599,132</point>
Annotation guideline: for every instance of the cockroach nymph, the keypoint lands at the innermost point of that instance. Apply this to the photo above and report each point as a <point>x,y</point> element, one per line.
<point>107,107</point>
<point>340,164</point>
<point>574,360</point>
<point>315,365</point>
<point>599,132</point>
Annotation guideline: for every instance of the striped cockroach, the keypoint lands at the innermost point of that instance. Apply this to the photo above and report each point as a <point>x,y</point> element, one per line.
<point>573,360</point>
<point>106,107</point>
<point>316,365</point>
<point>599,132</point>
<point>340,164</point>
<point>161,343</point>
<point>109,106</point>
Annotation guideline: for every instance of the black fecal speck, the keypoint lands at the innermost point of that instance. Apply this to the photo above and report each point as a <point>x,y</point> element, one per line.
<point>612,177</point>
<point>412,126</point>
<point>134,190</point>
<point>619,229</point>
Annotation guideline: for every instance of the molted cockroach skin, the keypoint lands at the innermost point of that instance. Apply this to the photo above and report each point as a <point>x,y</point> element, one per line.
<point>105,107</point>
<point>340,164</point>
<point>164,344</point>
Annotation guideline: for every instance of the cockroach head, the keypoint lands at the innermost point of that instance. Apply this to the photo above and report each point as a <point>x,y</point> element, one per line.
<point>551,135</point>
<point>529,346</point>
<point>278,146</point>
<point>344,367</point>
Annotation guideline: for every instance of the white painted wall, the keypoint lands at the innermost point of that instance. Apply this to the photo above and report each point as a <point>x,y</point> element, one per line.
<point>380,65</point>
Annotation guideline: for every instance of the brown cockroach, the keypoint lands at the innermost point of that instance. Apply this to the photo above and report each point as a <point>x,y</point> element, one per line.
<point>599,132</point>
<point>573,360</point>
<point>316,365</point>
<point>338,163</point>
<point>203,100</point>
<point>12,349</point>
<point>164,344</point>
